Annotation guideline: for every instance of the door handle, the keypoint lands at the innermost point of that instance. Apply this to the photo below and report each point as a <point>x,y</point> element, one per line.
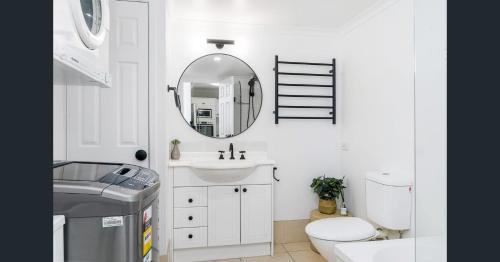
<point>141,155</point>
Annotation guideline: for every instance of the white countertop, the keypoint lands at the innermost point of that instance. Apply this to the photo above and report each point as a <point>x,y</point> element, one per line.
<point>58,221</point>
<point>180,162</point>
<point>187,158</point>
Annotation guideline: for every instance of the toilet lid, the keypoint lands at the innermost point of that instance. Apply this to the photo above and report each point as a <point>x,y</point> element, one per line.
<point>341,229</point>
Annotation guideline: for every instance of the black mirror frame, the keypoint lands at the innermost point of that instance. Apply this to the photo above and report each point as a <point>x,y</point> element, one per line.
<point>177,99</point>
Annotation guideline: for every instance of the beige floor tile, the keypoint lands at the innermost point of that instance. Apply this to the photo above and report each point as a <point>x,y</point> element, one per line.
<point>297,246</point>
<point>306,256</point>
<point>283,257</point>
<point>295,231</point>
<point>278,249</point>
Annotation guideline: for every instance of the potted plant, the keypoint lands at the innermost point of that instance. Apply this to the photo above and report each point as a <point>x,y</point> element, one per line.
<point>175,154</point>
<point>328,189</point>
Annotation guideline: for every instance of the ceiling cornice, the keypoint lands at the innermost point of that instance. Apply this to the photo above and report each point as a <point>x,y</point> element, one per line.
<point>365,15</point>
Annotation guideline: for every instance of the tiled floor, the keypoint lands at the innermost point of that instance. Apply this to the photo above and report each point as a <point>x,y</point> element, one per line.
<point>289,252</point>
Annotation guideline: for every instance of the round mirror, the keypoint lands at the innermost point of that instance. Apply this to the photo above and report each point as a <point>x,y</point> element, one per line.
<point>219,95</point>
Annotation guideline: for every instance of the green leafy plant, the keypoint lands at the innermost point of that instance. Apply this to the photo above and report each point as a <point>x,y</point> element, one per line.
<point>175,142</point>
<point>328,188</point>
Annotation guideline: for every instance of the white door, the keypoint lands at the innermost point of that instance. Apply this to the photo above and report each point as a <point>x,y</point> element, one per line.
<point>256,214</point>
<point>226,108</point>
<point>186,101</point>
<point>223,215</point>
<point>111,124</point>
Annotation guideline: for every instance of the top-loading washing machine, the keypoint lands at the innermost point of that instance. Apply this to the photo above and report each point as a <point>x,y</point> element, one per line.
<point>81,38</point>
<point>111,211</point>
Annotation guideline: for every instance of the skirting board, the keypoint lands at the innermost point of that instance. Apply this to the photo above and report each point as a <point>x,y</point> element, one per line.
<point>224,252</point>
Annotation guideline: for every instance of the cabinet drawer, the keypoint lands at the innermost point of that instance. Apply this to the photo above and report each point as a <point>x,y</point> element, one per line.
<point>190,217</point>
<point>190,237</point>
<point>190,196</point>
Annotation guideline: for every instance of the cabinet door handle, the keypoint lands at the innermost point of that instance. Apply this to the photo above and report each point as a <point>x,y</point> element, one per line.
<point>190,217</point>
<point>244,190</point>
<point>190,200</point>
<point>236,190</point>
<point>190,236</point>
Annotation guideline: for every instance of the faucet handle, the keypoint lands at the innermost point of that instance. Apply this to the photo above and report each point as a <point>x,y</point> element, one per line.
<point>242,157</point>
<point>221,154</point>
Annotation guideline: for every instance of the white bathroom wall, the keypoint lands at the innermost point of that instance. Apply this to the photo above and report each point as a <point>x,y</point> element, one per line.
<point>303,149</point>
<point>59,122</point>
<point>376,96</point>
<point>430,128</point>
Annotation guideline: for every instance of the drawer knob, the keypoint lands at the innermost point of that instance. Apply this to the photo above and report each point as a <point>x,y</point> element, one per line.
<point>244,190</point>
<point>236,190</point>
<point>190,200</point>
<point>190,217</point>
<point>190,236</point>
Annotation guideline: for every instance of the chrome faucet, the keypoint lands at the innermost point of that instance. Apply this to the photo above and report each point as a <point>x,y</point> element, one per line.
<point>232,151</point>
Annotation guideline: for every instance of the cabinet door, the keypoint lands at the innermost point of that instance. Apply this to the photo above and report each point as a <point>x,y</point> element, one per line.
<point>223,215</point>
<point>111,124</point>
<point>256,214</point>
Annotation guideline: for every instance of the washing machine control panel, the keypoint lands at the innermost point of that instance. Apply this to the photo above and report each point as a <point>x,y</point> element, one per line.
<point>143,179</point>
<point>147,177</point>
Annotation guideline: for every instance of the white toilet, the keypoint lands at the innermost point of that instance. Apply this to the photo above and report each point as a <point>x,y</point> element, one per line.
<point>388,204</point>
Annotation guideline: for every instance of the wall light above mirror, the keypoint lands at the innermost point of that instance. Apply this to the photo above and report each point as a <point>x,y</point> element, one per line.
<point>219,95</point>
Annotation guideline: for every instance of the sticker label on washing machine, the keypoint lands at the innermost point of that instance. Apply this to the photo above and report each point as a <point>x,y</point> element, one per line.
<point>148,213</point>
<point>148,257</point>
<point>147,234</point>
<point>112,221</point>
<point>147,240</point>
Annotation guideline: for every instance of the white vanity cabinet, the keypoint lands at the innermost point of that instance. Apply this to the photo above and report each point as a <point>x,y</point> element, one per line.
<point>256,214</point>
<point>219,220</point>
<point>223,215</point>
<point>239,214</point>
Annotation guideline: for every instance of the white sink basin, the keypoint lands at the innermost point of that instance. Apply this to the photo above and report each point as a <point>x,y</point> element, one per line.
<point>223,170</point>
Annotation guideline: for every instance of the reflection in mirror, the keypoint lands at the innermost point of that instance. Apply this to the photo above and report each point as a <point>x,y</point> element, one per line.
<point>219,95</point>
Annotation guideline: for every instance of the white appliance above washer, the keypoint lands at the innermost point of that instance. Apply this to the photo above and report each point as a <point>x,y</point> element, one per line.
<point>81,41</point>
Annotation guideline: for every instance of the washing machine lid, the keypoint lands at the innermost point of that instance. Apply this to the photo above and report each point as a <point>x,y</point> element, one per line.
<point>82,171</point>
<point>341,229</point>
<point>113,180</point>
<point>79,177</point>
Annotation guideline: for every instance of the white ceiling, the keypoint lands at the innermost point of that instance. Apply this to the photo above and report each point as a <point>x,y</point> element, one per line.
<point>327,14</point>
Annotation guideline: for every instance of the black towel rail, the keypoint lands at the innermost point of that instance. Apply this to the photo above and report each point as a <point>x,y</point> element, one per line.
<point>302,74</point>
<point>305,117</point>
<point>277,84</point>
<point>312,85</point>
<point>329,107</point>
<point>304,63</point>
<point>317,96</point>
